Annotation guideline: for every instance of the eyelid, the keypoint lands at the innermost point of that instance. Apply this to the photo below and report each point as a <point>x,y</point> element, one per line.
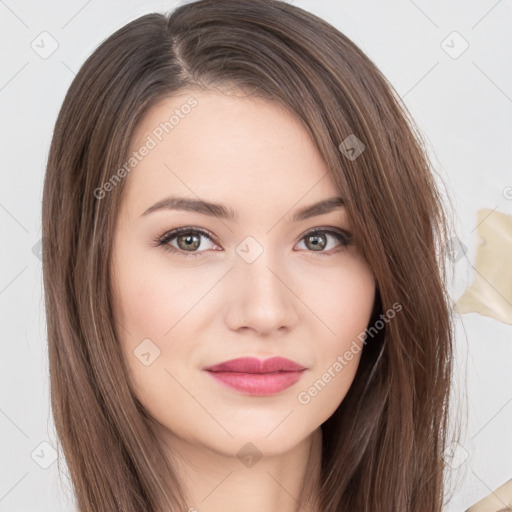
<point>172,233</point>
<point>163,241</point>
<point>344,236</point>
<point>329,229</point>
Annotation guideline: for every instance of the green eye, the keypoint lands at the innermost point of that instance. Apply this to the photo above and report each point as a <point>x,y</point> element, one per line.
<point>188,240</point>
<point>318,240</point>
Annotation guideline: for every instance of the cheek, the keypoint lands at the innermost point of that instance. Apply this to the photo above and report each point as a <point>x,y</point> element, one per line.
<point>343,301</point>
<point>160,309</point>
<point>348,308</point>
<point>156,307</point>
<point>154,297</point>
<point>344,306</point>
<point>150,302</point>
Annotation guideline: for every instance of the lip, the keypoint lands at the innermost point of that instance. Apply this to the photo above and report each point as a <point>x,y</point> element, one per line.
<point>256,377</point>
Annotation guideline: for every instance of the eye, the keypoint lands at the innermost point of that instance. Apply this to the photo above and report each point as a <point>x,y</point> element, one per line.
<point>318,240</point>
<point>187,241</point>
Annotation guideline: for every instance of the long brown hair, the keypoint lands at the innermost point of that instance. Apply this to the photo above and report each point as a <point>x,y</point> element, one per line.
<point>383,447</point>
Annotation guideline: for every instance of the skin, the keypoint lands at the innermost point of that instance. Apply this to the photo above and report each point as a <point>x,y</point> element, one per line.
<point>309,306</point>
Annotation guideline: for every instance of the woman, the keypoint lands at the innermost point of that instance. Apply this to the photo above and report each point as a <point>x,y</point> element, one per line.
<point>243,272</point>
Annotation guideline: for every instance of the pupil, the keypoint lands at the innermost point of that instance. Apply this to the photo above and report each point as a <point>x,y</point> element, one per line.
<point>317,241</point>
<point>188,243</point>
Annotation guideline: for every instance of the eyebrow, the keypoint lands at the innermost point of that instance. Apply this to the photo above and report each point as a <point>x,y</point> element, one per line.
<point>223,212</point>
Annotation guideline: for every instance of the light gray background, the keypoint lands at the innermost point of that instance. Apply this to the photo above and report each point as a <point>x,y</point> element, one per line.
<point>462,105</point>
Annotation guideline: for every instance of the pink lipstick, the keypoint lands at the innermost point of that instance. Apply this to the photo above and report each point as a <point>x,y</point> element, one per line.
<point>253,376</point>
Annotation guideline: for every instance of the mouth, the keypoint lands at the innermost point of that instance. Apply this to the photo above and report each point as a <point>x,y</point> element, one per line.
<point>256,377</point>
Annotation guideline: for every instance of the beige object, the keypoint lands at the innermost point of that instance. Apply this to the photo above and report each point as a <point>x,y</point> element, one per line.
<point>490,294</point>
<point>499,500</point>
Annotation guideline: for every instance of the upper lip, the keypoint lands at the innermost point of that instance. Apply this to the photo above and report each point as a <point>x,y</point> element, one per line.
<point>254,365</point>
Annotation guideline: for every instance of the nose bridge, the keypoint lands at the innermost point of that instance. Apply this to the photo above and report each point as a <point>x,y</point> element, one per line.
<point>261,286</point>
<point>256,265</point>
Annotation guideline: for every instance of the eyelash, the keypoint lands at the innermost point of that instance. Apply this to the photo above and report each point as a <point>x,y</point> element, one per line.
<point>163,241</point>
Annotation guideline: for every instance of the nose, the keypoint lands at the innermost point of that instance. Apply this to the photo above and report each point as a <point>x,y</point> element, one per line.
<point>261,296</point>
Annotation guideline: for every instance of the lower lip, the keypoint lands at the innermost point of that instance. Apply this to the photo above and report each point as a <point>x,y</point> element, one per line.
<point>258,384</point>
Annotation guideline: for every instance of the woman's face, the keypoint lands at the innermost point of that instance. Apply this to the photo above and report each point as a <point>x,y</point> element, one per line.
<point>273,279</point>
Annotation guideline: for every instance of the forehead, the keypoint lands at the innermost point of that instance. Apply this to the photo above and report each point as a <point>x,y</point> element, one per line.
<point>244,151</point>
